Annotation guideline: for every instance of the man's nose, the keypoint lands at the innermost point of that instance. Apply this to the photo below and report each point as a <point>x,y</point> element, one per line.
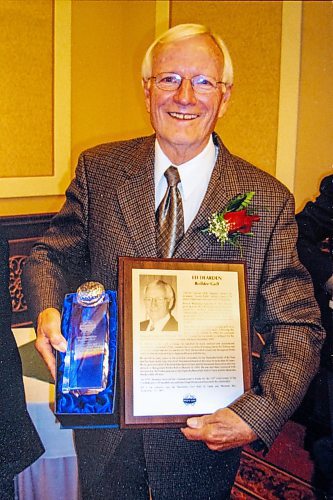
<point>155,301</point>
<point>185,93</point>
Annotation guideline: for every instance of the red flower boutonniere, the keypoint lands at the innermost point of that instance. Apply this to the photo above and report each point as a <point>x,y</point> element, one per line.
<point>235,220</point>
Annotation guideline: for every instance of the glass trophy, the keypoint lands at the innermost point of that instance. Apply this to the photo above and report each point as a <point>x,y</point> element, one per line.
<point>86,363</point>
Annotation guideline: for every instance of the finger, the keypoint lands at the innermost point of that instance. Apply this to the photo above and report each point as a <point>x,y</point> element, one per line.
<point>210,428</point>
<point>189,434</point>
<point>44,348</point>
<point>211,440</point>
<point>194,434</point>
<point>49,326</point>
<point>57,341</point>
<point>197,435</point>
<point>198,422</point>
<point>49,337</point>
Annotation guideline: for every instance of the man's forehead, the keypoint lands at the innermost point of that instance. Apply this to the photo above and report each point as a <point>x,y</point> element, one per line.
<point>155,287</point>
<point>189,57</point>
<point>206,41</point>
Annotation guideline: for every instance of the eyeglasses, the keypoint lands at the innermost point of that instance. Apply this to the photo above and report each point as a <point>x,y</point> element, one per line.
<point>157,300</point>
<point>172,81</point>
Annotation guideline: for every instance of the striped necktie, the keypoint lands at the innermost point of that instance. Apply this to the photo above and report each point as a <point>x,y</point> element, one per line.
<point>170,216</point>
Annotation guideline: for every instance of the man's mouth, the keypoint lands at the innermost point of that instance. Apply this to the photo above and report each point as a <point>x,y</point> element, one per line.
<point>183,116</point>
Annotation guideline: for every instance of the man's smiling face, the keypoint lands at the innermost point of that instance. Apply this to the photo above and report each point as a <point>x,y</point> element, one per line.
<point>184,120</point>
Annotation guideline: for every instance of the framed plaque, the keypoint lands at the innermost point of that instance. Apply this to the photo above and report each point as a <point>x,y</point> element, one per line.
<point>184,339</point>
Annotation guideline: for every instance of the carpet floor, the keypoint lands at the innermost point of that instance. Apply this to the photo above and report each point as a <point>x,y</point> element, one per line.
<point>257,478</point>
<point>283,473</point>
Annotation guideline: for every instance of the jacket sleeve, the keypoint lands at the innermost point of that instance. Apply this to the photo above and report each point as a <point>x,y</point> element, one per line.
<point>60,262</point>
<point>288,316</point>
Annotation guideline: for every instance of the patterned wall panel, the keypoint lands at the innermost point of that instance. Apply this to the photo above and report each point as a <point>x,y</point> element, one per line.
<point>21,232</point>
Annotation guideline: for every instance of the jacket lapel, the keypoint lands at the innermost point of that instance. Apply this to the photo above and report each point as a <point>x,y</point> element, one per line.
<point>137,199</point>
<point>222,187</point>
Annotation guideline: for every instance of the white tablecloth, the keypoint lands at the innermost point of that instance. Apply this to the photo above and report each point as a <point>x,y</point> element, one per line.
<point>54,475</point>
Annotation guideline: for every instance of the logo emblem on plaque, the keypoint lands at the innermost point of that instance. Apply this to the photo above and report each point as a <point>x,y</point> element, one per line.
<point>189,399</point>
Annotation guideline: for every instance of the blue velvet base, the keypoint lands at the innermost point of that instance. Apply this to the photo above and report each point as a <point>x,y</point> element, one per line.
<point>82,411</point>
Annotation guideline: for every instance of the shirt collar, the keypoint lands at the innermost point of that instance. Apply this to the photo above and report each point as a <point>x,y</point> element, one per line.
<point>194,172</point>
<point>160,324</point>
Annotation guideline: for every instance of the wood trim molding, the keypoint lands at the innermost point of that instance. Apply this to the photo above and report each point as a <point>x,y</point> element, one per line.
<point>162,17</point>
<point>289,92</point>
<point>23,227</point>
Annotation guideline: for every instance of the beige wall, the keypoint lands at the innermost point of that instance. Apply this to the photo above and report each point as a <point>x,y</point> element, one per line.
<point>108,39</point>
<point>107,42</point>
<point>26,88</point>
<point>315,122</point>
<point>252,32</point>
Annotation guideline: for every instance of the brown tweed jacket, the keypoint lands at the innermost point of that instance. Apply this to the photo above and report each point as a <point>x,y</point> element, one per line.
<point>110,212</point>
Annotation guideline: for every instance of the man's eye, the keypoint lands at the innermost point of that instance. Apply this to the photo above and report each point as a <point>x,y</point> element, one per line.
<point>204,82</point>
<point>169,79</point>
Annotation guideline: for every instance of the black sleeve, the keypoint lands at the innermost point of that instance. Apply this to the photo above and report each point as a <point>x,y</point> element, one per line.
<point>315,223</point>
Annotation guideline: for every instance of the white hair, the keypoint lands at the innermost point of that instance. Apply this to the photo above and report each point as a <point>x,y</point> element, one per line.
<point>168,290</point>
<point>180,32</point>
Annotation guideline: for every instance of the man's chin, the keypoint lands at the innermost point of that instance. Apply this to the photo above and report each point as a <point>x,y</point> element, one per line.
<point>155,320</point>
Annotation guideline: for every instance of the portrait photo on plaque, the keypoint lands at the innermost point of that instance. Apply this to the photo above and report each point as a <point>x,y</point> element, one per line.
<point>158,294</point>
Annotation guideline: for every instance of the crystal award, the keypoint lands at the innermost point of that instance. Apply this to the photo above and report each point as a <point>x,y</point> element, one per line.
<point>86,363</point>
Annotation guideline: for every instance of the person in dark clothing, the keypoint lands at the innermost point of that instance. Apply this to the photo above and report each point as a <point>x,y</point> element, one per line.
<point>315,224</point>
<point>20,445</point>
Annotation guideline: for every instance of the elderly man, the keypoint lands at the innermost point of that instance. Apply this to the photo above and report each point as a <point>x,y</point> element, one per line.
<point>159,299</point>
<point>187,79</point>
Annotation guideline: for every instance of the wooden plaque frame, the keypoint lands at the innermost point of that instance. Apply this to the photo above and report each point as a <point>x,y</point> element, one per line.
<point>126,331</point>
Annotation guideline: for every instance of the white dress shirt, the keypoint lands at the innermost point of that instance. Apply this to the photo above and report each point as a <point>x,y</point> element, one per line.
<point>194,176</point>
<point>158,326</point>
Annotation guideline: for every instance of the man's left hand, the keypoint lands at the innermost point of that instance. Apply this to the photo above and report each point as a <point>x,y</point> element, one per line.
<point>221,430</point>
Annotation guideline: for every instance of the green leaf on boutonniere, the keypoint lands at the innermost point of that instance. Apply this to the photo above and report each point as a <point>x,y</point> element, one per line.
<point>239,202</point>
<point>234,221</point>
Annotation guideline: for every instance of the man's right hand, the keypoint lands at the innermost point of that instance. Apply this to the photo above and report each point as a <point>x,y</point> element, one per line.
<point>49,337</point>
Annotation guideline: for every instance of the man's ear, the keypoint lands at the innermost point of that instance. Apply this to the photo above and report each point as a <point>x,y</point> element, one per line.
<point>171,304</point>
<point>146,90</point>
<point>225,101</point>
